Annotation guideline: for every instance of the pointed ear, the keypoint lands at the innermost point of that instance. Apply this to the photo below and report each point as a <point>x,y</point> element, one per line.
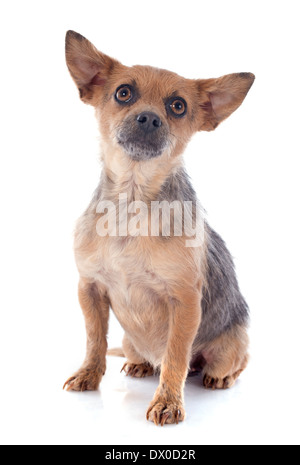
<point>89,68</point>
<point>218,98</point>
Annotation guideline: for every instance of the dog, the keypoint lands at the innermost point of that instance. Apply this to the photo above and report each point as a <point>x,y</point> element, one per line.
<point>180,305</point>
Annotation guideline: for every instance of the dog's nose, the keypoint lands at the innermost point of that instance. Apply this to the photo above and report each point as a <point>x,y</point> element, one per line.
<point>149,121</point>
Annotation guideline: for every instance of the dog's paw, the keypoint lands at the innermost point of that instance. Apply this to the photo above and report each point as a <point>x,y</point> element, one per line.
<point>161,412</point>
<point>213,383</point>
<point>84,380</point>
<point>138,371</point>
<point>218,383</point>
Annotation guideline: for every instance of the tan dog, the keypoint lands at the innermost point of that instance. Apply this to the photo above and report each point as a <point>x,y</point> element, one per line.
<point>180,306</point>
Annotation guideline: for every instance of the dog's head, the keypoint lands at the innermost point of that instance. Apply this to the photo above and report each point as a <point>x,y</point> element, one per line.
<point>144,111</point>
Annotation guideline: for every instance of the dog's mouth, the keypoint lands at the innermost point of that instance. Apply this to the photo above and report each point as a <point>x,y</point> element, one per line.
<point>143,141</point>
<point>139,151</point>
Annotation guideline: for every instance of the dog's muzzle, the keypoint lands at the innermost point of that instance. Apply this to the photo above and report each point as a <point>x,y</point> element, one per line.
<point>143,136</point>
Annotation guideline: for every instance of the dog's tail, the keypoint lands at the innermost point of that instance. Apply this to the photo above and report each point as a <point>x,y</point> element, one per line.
<point>117,352</point>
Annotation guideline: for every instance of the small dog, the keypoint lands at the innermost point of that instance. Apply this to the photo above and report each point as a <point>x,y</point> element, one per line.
<point>179,305</point>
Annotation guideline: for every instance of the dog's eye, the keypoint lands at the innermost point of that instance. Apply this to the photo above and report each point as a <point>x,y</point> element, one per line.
<point>178,107</point>
<point>124,94</point>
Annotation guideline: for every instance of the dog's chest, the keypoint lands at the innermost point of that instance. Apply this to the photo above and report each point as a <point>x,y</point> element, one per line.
<point>142,276</point>
<point>125,267</point>
<point>137,287</point>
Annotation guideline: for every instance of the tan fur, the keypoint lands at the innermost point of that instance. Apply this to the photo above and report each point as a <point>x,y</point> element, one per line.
<point>153,285</point>
<point>226,358</point>
<point>95,307</point>
<point>140,370</point>
<point>116,352</point>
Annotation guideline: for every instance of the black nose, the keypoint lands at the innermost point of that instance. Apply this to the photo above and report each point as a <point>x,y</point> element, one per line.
<point>149,121</point>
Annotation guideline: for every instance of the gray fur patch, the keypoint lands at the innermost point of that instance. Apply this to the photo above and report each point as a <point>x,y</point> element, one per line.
<point>178,187</point>
<point>223,305</point>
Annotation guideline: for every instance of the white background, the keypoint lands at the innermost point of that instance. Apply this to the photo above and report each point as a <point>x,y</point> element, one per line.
<point>246,175</point>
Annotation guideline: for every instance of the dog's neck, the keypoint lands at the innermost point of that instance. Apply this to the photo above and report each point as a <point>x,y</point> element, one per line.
<point>142,180</point>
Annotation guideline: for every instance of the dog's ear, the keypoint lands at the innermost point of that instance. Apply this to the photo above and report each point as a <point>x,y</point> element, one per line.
<point>89,68</point>
<point>218,98</point>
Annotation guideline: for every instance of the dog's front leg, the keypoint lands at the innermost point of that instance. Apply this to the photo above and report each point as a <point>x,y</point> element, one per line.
<point>95,307</point>
<point>185,316</point>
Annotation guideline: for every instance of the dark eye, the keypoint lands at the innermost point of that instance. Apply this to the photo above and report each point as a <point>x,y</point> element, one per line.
<point>124,94</point>
<point>178,106</point>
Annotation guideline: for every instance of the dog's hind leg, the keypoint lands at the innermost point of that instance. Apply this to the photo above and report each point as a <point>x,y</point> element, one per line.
<point>136,366</point>
<point>95,307</point>
<point>226,357</point>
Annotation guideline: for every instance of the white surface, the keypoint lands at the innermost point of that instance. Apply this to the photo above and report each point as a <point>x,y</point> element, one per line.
<point>39,412</point>
<point>247,177</point>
